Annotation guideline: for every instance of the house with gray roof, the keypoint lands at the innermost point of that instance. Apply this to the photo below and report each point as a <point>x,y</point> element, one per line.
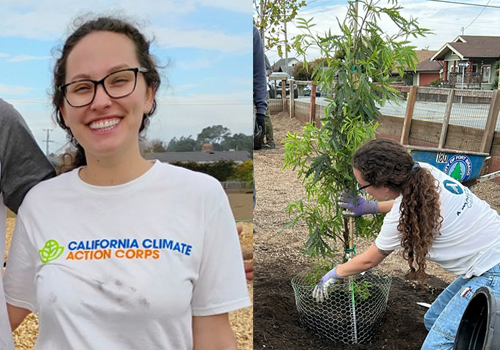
<point>426,70</point>
<point>469,61</point>
<point>279,66</point>
<point>200,157</point>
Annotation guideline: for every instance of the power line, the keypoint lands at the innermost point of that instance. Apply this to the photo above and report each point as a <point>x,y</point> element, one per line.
<point>476,17</point>
<point>465,3</point>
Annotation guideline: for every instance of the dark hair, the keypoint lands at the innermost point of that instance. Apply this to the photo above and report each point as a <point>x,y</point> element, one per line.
<point>385,162</point>
<point>106,24</point>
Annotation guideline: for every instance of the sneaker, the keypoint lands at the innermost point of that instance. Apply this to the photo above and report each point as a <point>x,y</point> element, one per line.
<point>269,146</point>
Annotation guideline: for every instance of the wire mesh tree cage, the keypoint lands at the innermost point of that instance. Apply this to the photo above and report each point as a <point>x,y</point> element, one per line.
<point>353,310</point>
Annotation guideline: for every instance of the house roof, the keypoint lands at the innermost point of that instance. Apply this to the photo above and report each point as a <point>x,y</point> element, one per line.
<point>424,64</point>
<point>205,157</point>
<point>471,46</point>
<point>281,61</point>
<point>279,65</point>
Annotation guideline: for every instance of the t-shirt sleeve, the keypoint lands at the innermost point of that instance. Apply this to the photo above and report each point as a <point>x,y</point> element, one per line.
<point>389,237</point>
<point>221,285</point>
<point>23,163</point>
<point>19,278</point>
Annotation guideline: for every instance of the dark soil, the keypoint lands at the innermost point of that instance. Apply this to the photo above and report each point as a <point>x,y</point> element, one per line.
<point>277,325</point>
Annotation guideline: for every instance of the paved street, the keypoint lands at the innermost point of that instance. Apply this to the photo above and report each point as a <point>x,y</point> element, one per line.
<point>471,115</point>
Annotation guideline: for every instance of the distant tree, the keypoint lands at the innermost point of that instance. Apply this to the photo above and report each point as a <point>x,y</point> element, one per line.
<point>300,72</point>
<point>214,134</point>
<point>304,71</point>
<point>156,146</point>
<point>238,142</point>
<point>244,172</point>
<point>184,144</point>
<point>269,18</point>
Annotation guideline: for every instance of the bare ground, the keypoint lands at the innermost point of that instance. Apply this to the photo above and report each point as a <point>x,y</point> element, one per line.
<point>278,259</point>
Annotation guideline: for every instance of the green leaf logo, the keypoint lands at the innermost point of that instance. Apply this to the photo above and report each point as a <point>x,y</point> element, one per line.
<point>50,251</point>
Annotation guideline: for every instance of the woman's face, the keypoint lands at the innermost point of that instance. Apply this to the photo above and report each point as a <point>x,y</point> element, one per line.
<point>107,125</point>
<point>379,193</point>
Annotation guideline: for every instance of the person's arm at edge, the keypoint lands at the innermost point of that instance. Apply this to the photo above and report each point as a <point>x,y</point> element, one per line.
<point>23,163</point>
<point>16,315</point>
<point>247,255</point>
<point>385,207</point>
<point>213,333</point>
<point>365,261</point>
<point>259,74</point>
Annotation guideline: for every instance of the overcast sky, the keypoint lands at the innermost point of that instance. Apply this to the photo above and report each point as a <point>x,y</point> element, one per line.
<point>444,19</point>
<point>207,45</point>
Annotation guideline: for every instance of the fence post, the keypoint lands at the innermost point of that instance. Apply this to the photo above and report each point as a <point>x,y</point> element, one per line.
<point>283,93</point>
<point>446,120</point>
<point>312,109</point>
<point>291,83</point>
<point>489,129</point>
<point>408,115</point>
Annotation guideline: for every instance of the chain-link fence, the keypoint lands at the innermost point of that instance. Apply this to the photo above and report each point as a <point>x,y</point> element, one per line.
<point>351,313</point>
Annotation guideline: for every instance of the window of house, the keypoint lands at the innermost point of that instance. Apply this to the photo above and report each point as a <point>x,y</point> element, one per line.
<point>486,73</point>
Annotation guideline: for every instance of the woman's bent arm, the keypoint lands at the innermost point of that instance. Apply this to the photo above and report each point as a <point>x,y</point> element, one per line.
<point>16,315</point>
<point>213,333</point>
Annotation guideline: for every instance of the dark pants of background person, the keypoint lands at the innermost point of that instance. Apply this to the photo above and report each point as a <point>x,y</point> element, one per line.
<point>269,125</point>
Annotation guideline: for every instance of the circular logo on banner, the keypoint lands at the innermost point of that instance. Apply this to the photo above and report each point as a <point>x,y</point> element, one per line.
<point>458,167</point>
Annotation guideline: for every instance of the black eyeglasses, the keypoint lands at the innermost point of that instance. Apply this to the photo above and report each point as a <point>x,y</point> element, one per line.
<point>362,188</point>
<point>118,84</point>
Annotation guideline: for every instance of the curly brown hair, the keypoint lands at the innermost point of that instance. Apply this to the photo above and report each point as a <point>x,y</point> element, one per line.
<point>387,163</point>
<point>83,28</point>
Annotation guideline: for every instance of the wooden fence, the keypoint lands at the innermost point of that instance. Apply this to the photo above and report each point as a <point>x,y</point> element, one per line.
<point>438,132</point>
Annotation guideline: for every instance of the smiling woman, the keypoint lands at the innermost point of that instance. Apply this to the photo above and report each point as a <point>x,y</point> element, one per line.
<point>128,294</point>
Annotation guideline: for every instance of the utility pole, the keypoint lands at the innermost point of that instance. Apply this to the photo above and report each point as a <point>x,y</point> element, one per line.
<point>286,41</point>
<point>261,29</point>
<point>47,140</point>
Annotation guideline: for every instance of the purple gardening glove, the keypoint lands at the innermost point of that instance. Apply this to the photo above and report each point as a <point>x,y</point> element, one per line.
<point>320,292</point>
<point>361,208</point>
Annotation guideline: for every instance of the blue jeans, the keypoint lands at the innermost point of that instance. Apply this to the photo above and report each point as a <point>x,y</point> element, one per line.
<point>445,314</point>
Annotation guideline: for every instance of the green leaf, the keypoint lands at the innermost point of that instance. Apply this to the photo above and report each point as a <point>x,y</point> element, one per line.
<point>50,251</point>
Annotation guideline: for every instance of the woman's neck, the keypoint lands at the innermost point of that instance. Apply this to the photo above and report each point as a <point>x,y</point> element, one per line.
<point>110,171</point>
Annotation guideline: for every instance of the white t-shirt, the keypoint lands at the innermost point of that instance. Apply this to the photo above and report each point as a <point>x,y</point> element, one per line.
<point>469,243</point>
<point>127,266</point>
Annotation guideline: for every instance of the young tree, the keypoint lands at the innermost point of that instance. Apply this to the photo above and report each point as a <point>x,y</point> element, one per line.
<point>270,17</point>
<point>357,67</point>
